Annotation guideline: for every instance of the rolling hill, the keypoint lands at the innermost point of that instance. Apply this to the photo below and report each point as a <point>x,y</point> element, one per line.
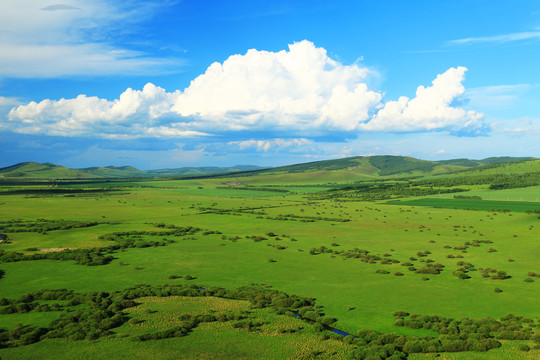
<point>34,170</point>
<point>346,169</point>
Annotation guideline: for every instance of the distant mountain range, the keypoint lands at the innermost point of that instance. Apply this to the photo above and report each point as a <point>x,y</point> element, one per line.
<point>371,166</point>
<point>49,171</point>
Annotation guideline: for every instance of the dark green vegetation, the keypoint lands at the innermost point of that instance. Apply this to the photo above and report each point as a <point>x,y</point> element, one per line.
<point>320,260</point>
<point>475,204</point>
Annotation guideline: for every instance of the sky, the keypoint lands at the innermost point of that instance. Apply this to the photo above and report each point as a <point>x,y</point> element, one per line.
<point>176,83</point>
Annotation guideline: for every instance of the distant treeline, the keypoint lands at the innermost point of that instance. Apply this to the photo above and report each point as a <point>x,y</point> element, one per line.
<point>252,188</point>
<point>496,182</point>
<point>42,225</point>
<point>382,192</point>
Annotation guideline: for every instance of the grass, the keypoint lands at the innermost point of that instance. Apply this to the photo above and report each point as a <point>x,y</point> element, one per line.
<point>531,194</point>
<point>208,341</point>
<point>348,289</point>
<point>470,204</point>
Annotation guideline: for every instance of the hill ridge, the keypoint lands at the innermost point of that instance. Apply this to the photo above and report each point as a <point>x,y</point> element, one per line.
<point>361,166</point>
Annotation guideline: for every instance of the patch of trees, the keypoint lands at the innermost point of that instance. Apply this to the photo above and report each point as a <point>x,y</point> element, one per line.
<point>456,336</point>
<point>319,165</point>
<point>467,197</point>
<point>284,217</point>
<point>496,181</point>
<point>375,345</point>
<point>494,274</point>
<point>464,268</point>
<point>43,225</point>
<point>391,165</point>
<point>252,188</point>
<point>292,217</point>
<point>91,257</point>
<point>100,312</point>
<point>356,253</point>
<point>173,231</point>
<point>102,255</point>
<point>430,268</point>
<point>383,191</point>
<point>509,327</point>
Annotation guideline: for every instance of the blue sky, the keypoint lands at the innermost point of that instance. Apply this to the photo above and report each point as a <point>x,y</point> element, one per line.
<point>164,84</point>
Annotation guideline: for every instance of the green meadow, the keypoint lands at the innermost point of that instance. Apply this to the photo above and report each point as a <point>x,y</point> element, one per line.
<point>359,262</point>
<point>474,204</point>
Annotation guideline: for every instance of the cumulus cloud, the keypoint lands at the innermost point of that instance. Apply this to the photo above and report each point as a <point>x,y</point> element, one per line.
<point>135,114</point>
<point>431,109</point>
<point>301,88</point>
<point>300,92</point>
<point>72,38</point>
<point>265,145</point>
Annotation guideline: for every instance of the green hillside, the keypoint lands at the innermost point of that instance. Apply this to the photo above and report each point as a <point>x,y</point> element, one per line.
<point>355,169</point>
<point>352,169</point>
<point>43,171</point>
<point>200,170</point>
<point>115,171</point>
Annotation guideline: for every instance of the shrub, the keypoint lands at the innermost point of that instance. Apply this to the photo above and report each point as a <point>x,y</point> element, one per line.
<point>401,313</point>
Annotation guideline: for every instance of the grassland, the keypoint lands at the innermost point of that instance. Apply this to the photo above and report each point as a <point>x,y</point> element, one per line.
<point>289,240</point>
<point>474,204</point>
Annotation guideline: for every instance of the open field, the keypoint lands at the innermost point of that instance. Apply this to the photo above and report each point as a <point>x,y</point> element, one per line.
<point>362,262</point>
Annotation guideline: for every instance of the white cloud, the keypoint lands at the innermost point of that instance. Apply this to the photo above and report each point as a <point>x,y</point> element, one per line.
<point>300,92</point>
<point>431,109</point>
<point>265,145</point>
<point>135,114</point>
<point>72,39</point>
<point>504,38</point>
<point>301,88</point>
